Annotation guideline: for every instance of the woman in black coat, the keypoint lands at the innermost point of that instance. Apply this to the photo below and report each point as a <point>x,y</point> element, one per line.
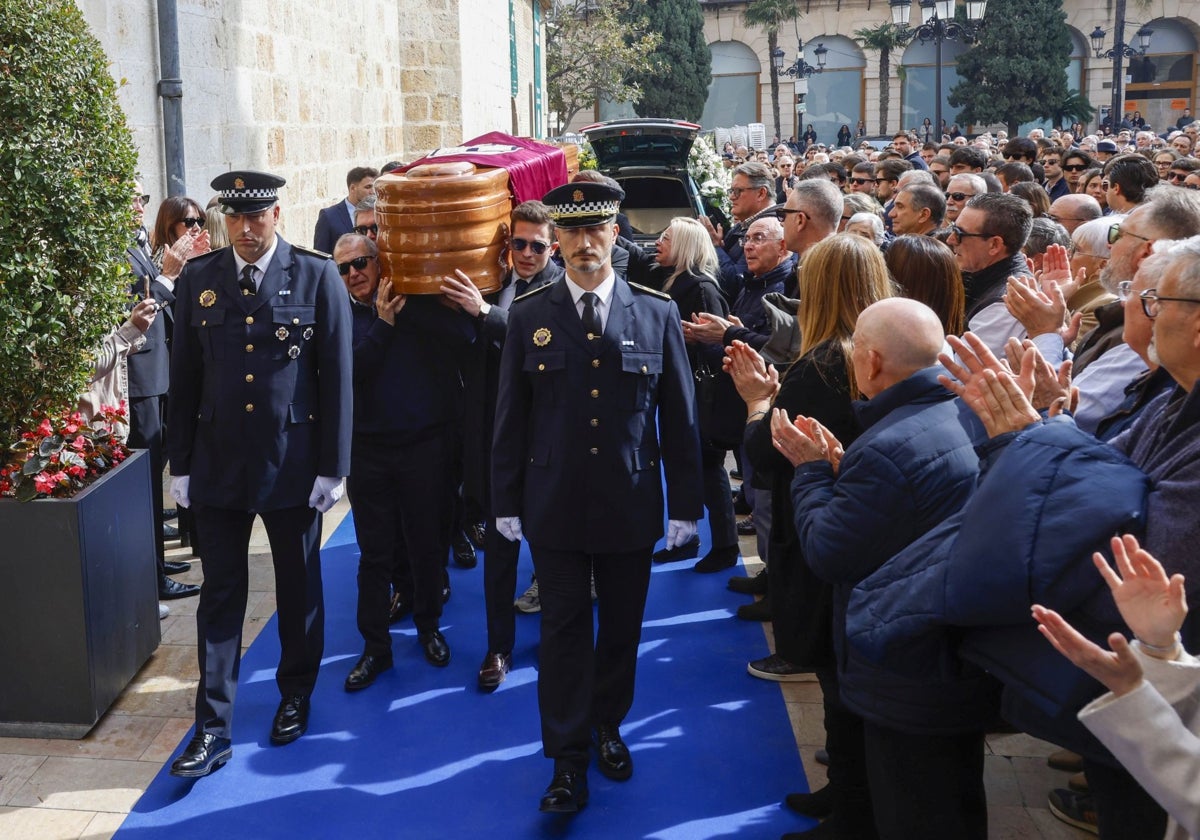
<point>687,268</point>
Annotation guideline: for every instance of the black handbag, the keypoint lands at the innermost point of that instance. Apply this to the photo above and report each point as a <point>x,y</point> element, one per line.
<point>720,409</point>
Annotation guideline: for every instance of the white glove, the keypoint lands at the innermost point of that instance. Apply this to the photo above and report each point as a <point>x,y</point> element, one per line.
<point>179,490</point>
<point>510,528</point>
<point>679,532</point>
<point>325,493</point>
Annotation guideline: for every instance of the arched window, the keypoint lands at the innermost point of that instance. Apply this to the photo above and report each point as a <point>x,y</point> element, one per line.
<point>733,92</point>
<point>918,71</point>
<point>835,96</point>
<point>1162,82</point>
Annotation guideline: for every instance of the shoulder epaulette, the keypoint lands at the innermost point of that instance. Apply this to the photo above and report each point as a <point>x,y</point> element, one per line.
<point>207,255</point>
<point>533,292</point>
<point>638,287</point>
<point>312,252</point>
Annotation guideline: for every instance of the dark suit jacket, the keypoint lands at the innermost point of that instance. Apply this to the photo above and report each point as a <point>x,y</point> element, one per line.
<point>577,448</point>
<point>481,378</point>
<point>261,400</point>
<point>149,367</point>
<point>332,223</point>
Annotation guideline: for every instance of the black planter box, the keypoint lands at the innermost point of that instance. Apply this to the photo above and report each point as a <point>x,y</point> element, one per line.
<point>78,602</point>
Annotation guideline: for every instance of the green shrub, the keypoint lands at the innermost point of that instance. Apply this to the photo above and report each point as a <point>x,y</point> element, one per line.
<point>67,166</point>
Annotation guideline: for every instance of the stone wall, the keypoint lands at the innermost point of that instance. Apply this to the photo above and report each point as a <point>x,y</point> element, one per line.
<point>311,88</point>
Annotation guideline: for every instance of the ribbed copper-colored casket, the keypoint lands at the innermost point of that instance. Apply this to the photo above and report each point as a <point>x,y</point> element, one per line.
<point>439,217</point>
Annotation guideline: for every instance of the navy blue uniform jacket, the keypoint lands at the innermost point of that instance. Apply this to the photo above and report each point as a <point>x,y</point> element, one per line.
<point>577,452</point>
<point>261,386</point>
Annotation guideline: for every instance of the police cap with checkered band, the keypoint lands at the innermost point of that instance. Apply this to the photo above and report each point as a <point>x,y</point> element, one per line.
<point>247,191</point>
<point>583,204</point>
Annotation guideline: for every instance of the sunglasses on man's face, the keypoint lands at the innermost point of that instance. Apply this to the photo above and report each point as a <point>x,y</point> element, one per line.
<point>1074,167</point>
<point>959,196</point>
<point>519,245</point>
<point>359,263</point>
<point>861,181</point>
<point>192,221</point>
<point>366,230</point>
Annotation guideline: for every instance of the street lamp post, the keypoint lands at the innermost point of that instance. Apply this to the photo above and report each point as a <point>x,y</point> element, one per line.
<point>1119,52</point>
<point>800,70</point>
<point>938,25</point>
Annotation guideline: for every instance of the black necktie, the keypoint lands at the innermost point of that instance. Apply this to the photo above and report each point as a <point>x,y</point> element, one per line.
<point>246,284</point>
<point>522,287</point>
<point>591,318</point>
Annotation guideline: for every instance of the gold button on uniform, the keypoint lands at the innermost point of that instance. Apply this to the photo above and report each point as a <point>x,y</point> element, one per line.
<point>249,348</point>
<point>594,451</point>
<point>541,367</point>
<point>249,377</point>
<point>645,369</point>
<point>595,363</point>
<point>249,407</point>
<point>249,319</point>
<point>295,320</point>
<point>595,422</point>
<point>595,393</point>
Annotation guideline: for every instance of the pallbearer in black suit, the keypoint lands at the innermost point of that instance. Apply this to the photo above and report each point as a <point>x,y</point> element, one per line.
<point>531,246</point>
<point>593,367</point>
<point>259,425</point>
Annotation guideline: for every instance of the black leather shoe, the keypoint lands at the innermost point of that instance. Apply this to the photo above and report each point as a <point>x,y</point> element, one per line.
<point>743,585</point>
<point>464,552</point>
<point>745,527</point>
<point>176,567</point>
<point>567,793</point>
<point>169,590</point>
<point>170,513</point>
<point>818,804</point>
<point>366,670</point>
<point>170,532</point>
<point>760,610</point>
<point>291,719</point>
<point>614,760</point>
<point>740,506</point>
<point>436,649</point>
<point>717,560</point>
<point>204,753</point>
<point>399,608</point>
<point>680,552</point>
<point>477,533</point>
<point>493,670</point>
<point>445,586</point>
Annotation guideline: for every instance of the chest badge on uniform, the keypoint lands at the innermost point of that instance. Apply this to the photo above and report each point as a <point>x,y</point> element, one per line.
<point>207,298</point>
<point>282,334</point>
<point>541,337</point>
<point>308,333</point>
<point>294,351</point>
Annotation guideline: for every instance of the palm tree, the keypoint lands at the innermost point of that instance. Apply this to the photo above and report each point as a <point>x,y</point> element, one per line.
<point>769,14</point>
<point>885,37</point>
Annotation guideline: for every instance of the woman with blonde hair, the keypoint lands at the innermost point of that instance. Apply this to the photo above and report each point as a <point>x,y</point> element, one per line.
<point>839,278</point>
<point>687,256</point>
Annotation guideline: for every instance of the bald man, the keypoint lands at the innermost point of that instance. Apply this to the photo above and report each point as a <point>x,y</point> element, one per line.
<point>1074,209</point>
<point>906,749</point>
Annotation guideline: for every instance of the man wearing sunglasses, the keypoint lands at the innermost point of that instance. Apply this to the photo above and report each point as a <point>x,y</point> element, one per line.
<point>1074,163</point>
<point>530,248</point>
<point>258,425</point>
<point>407,409</point>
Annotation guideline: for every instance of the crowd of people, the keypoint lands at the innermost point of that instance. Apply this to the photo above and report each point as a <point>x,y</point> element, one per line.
<point>948,374</point>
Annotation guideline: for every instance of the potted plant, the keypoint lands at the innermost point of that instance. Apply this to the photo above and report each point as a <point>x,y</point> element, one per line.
<point>78,611</point>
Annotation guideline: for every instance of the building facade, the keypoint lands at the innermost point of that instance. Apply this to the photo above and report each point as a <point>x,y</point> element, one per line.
<point>312,88</point>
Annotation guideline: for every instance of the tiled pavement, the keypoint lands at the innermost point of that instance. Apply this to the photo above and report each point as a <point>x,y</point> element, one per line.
<point>66,790</point>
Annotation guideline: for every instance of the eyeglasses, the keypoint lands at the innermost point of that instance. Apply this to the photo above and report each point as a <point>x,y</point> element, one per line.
<point>1115,232</point>
<point>1123,289</point>
<point>1052,162</point>
<point>519,245</point>
<point>955,230</point>
<point>1152,302</point>
<point>1177,176</point>
<point>366,230</point>
<point>783,212</point>
<point>1074,167</point>
<point>359,264</point>
<point>760,238</point>
<point>192,221</point>
<point>735,192</point>
<point>861,181</point>
<point>1104,184</point>
<point>1163,164</point>
<point>142,199</point>
<point>1074,251</point>
<point>959,196</point>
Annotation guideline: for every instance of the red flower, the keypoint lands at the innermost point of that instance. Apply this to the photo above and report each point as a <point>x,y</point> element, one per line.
<point>76,472</point>
<point>44,483</point>
<point>44,428</point>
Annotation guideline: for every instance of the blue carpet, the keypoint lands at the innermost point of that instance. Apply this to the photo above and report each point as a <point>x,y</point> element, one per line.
<point>421,754</point>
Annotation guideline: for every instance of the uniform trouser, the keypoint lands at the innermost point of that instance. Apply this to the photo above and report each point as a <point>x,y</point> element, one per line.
<point>500,557</point>
<point>927,786</point>
<point>295,537</point>
<point>583,683</point>
<point>1124,810</point>
<point>146,432</point>
<point>718,498</point>
<point>401,501</point>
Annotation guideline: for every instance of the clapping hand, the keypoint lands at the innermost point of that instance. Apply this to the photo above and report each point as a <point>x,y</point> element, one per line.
<point>706,328</point>
<point>753,377</point>
<point>1052,390</point>
<point>988,387</point>
<point>804,440</point>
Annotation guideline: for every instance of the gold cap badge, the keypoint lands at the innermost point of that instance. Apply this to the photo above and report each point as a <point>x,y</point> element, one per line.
<point>239,184</point>
<point>577,196</point>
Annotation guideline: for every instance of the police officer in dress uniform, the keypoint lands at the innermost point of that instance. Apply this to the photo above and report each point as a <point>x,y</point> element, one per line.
<point>259,425</point>
<point>589,365</point>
